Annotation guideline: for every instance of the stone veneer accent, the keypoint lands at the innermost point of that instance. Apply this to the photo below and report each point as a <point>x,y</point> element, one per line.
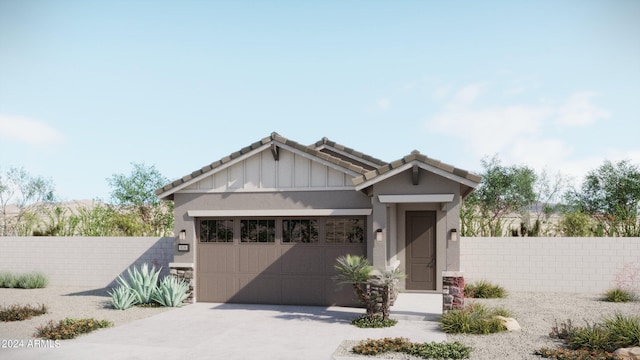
<point>452,290</point>
<point>184,271</point>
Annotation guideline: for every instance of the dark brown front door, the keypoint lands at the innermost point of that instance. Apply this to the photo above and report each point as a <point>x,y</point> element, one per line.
<point>421,250</point>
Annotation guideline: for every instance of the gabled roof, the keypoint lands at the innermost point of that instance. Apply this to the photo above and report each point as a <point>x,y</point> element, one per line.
<point>166,192</point>
<point>415,158</point>
<point>348,154</point>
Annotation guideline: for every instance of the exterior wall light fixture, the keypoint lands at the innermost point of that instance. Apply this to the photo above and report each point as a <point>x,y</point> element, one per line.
<point>454,234</point>
<point>379,235</point>
<point>182,235</point>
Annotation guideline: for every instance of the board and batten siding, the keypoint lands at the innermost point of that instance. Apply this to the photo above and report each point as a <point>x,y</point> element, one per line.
<point>262,172</point>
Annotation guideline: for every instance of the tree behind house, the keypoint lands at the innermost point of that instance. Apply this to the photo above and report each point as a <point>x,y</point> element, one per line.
<point>29,194</point>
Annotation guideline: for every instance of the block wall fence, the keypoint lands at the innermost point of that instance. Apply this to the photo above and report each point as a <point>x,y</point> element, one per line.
<point>555,264</point>
<point>84,261</point>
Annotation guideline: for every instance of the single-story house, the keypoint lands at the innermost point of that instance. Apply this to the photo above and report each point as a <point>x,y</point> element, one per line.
<point>266,223</point>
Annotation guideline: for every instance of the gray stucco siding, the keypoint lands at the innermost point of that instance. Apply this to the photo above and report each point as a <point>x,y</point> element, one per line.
<point>391,217</point>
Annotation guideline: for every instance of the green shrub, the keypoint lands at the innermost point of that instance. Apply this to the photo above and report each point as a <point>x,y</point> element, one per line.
<point>70,328</point>
<point>590,337</point>
<point>473,319</point>
<point>171,292</point>
<point>619,295</point>
<point>142,282</point>
<point>484,290</point>
<point>32,280</point>
<point>432,350</point>
<point>570,354</point>
<point>21,312</point>
<point>613,333</point>
<point>376,321</point>
<point>624,331</point>
<point>122,298</point>
<point>7,280</point>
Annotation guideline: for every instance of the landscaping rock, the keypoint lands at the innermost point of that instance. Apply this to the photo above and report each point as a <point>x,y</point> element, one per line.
<point>510,323</point>
<point>632,353</point>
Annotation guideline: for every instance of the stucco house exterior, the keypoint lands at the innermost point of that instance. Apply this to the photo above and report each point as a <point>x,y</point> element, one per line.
<point>266,223</point>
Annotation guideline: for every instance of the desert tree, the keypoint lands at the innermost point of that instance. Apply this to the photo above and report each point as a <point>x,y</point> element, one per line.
<point>503,190</point>
<point>611,195</point>
<point>22,196</point>
<point>135,194</point>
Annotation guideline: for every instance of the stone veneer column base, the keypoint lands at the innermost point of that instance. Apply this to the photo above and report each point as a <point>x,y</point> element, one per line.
<point>184,271</point>
<point>452,290</point>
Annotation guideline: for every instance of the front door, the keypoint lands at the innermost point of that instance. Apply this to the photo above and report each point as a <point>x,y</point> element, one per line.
<point>421,250</point>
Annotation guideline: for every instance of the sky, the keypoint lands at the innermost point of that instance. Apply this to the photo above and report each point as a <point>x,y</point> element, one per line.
<point>89,87</point>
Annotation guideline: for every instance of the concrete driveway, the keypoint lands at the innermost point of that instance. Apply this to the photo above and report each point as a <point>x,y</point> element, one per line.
<point>230,331</point>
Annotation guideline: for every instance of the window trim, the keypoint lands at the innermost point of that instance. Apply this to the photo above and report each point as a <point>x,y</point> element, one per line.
<point>278,235</point>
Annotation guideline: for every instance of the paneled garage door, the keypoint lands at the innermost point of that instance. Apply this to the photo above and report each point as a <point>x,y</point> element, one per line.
<point>275,261</point>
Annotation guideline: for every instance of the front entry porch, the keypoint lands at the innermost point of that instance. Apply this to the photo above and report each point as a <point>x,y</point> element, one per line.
<point>417,306</point>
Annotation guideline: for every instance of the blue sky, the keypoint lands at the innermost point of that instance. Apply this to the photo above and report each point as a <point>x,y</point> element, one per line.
<point>87,87</point>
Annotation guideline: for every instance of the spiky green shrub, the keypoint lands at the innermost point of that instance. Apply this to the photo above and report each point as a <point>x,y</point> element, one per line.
<point>7,280</point>
<point>21,312</point>
<point>484,290</point>
<point>624,331</point>
<point>591,337</point>
<point>142,282</point>
<point>613,333</point>
<point>70,328</point>
<point>171,292</point>
<point>32,280</point>
<point>619,295</point>
<point>473,319</point>
<point>123,298</point>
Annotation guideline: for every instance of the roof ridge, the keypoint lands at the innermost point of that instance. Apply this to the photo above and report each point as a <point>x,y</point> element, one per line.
<point>274,136</point>
<point>415,155</point>
<point>348,150</point>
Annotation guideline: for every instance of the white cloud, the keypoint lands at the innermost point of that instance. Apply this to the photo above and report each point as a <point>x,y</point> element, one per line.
<point>383,104</point>
<point>33,132</point>
<point>519,133</point>
<point>486,130</point>
<point>467,95</point>
<point>579,110</point>
<point>442,91</point>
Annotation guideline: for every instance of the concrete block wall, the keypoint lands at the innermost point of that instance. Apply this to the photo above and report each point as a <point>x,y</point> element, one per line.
<point>555,264</point>
<point>84,261</point>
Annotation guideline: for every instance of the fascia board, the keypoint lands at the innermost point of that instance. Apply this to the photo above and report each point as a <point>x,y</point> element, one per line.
<point>215,170</point>
<point>279,212</point>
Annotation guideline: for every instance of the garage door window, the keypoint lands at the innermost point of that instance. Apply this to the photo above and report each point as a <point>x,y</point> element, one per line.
<point>300,231</point>
<point>216,231</point>
<point>344,230</point>
<point>257,231</point>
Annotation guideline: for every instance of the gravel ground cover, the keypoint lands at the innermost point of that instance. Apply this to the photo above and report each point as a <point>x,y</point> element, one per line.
<point>62,302</point>
<point>536,313</point>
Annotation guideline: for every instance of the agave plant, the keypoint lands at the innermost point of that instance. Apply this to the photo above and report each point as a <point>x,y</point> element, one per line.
<point>122,298</point>
<point>171,292</point>
<point>143,282</point>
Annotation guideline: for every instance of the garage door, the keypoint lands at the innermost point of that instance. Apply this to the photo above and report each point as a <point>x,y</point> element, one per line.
<point>275,261</point>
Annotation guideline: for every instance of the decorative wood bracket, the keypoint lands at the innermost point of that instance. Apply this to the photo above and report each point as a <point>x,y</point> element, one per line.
<point>275,151</point>
<point>415,176</point>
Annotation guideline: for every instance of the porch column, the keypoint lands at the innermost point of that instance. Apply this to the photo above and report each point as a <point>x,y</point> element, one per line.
<point>378,255</point>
